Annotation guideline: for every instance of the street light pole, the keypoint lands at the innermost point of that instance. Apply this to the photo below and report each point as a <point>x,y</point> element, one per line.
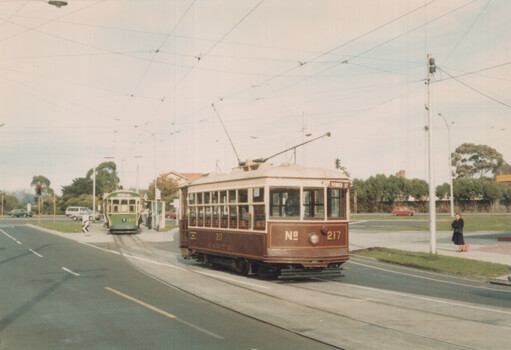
<point>94,194</point>
<point>450,162</point>
<point>432,204</point>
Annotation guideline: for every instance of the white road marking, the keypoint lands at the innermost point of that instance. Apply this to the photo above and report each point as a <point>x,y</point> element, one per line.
<point>358,222</point>
<point>11,237</point>
<point>36,253</point>
<point>103,249</point>
<point>162,312</point>
<point>71,272</point>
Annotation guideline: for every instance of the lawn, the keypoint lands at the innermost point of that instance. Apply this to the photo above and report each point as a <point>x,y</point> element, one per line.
<point>436,262</point>
<point>501,223</point>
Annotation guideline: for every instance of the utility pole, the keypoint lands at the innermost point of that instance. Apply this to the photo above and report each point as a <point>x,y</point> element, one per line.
<point>94,194</point>
<point>432,204</point>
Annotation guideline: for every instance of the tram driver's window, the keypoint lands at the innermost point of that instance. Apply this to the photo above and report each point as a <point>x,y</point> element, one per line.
<point>258,194</point>
<point>132,206</point>
<point>259,217</point>
<point>336,203</point>
<point>285,202</point>
<point>115,205</point>
<point>314,203</point>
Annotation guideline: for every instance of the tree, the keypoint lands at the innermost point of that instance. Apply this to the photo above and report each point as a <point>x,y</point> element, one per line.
<point>468,189</point>
<point>79,186</point>
<point>46,190</point>
<point>168,187</point>
<point>443,191</point>
<point>11,202</point>
<point>491,192</point>
<point>473,161</point>
<point>419,189</point>
<point>106,177</point>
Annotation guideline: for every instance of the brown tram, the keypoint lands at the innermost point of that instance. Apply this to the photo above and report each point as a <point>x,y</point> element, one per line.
<point>261,219</point>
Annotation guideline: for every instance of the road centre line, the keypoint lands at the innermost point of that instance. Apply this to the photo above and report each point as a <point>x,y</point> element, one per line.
<point>11,237</point>
<point>71,272</point>
<point>162,312</point>
<point>36,253</point>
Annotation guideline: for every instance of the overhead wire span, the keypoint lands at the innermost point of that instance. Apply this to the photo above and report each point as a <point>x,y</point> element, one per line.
<point>474,89</point>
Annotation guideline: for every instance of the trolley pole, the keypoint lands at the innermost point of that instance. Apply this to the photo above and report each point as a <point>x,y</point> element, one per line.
<point>432,204</point>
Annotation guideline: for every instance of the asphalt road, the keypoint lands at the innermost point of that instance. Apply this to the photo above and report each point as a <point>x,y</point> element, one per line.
<point>56,293</point>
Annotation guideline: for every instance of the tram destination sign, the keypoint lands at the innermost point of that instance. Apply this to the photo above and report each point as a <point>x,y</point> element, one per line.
<point>339,184</point>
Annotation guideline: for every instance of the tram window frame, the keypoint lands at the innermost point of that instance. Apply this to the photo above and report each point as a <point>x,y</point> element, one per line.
<point>132,205</point>
<point>191,198</point>
<point>214,197</point>
<point>207,216</point>
<point>283,207</point>
<point>115,205</point>
<point>232,196</point>
<point>199,198</point>
<point>259,217</point>
<point>312,207</point>
<point>216,216</point>
<point>233,218</point>
<point>244,217</point>
<point>224,216</point>
<point>193,216</point>
<point>342,211</point>
<point>243,195</point>
<point>258,195</point>
<point>207,196</point>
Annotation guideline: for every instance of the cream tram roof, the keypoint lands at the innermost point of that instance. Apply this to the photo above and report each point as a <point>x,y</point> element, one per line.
<point>261,171</point>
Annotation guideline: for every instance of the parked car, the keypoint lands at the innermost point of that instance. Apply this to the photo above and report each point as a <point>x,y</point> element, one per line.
<point>73,211</point>
<point>402,211</point>
<point>81,212</point>
<point>171,214</point>
<point>16,213</point>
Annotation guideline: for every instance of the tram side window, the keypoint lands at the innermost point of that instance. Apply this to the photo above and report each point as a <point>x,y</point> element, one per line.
<point>191,198</point>
<point>216,216</point>
<point>244,216</point>
<point>201,216</point>
<point>285,202</point>
<point>224,222</point>
<point>133,206</point>
<point>223,196</point>
<point>193,216</point>
<point>199,198</point>
<point>258,194</point>
<point>233,216</point>
<point>115,205</point>
<point>214,197</point>
<point>232,196</point>
<point>314,203</point>
<point>259,217</point>
<point>207,195</point>
<point>336,203</point>
<point>243,196</point>
<point>208,216</point>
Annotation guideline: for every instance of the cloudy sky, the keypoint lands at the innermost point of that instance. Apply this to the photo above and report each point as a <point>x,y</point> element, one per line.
<point>150,79</point>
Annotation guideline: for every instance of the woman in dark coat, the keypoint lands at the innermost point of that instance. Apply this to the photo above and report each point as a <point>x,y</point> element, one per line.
<point>457,236</point>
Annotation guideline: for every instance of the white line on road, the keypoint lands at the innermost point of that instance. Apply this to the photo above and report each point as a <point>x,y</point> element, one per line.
<point>103,249</point>
<point>11,237</point>
<point>71,272</point>
<point>358,222</point>
<point>36,253</point>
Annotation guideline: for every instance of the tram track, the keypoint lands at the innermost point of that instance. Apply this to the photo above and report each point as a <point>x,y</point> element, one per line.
<point>131,246</point>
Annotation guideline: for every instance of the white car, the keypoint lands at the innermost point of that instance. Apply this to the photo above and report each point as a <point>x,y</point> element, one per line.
<point>73,211</point>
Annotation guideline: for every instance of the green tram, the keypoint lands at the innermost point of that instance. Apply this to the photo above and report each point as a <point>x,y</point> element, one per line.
<point>122,211</point>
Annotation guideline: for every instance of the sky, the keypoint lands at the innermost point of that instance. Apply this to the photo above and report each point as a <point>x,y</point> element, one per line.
<point>150,85</point>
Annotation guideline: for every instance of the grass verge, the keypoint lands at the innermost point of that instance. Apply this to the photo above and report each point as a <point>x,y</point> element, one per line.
<point>65,227</point>
<point>436,262</point>
<point>500,223</point>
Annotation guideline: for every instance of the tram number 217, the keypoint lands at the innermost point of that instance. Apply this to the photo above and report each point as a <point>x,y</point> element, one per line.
<point>333,235</point>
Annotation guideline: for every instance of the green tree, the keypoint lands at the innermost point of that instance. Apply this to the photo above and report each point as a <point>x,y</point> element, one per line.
<point>443,191</point>
<point>11,202</point>
<point>473,161</point>
<point>79,186</point>
<point>419,189</point>
<point>168,187</point>
<point>468,189</point>
<point>106,177</point>
<point>46,190</point>
<point>491,192</point>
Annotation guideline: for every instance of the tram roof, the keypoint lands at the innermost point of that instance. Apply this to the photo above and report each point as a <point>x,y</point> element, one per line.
<point>270,171</point>
<point>122,193</point>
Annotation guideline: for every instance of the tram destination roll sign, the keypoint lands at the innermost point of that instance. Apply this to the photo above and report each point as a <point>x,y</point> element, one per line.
<point>339,184</point>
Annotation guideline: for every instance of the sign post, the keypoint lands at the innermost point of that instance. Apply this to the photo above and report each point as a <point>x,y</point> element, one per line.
<point>85,224</point>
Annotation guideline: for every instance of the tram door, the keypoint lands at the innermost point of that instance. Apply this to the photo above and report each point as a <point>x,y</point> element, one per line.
<point>183,218</point>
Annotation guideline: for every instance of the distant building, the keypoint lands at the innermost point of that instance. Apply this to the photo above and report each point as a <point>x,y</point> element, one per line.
<point>182,178</point>
<point>401,173</point>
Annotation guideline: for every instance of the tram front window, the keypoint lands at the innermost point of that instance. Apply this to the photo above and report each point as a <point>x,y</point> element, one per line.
<point>314,203</point>
<point>285,202</point>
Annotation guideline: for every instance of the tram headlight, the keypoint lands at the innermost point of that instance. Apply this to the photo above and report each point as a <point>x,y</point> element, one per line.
<point>313,239</point>
<point>123,219</point>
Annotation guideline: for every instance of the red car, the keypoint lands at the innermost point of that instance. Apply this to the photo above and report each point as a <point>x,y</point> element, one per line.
<point>402,211</point>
